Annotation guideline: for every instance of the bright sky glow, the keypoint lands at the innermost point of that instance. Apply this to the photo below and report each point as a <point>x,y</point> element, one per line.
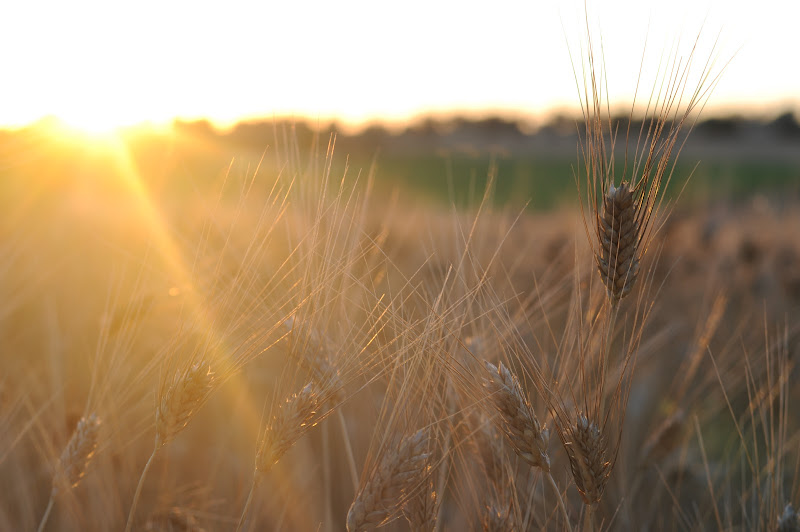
<point>101,64</point>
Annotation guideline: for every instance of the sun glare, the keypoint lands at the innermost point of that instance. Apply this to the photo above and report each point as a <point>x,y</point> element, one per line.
<point>95,126</point>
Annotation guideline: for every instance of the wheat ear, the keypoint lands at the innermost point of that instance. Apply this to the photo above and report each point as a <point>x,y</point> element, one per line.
<point>187,392</point>
<point>399,472</point>
<point>517,419</point>
<point>587,458</point>
<point>618,232</point>
<point>295,417</point>
<point>74,460</point>
<point>519,423</point>
<point>181,398</point>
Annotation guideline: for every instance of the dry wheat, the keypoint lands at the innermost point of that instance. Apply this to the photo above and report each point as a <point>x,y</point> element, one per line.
<point>516,416</point>
<point>422,508</point>
<point>294,418</point>
<point>75,458</point>
<point>587,458</point>
<point>184,395</point>
<point>618,231</point>
<point>399,472</point>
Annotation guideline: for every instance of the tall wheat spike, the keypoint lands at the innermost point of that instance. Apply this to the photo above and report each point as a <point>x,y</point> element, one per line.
<point>623,214</point>
<point>618,231</point>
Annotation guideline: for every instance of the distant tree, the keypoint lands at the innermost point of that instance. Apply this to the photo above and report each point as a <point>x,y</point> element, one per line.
<point>199,129</point>
<point>786,125</point>
<point>727,127</point>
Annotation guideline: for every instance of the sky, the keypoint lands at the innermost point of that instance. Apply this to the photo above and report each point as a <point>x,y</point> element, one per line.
<point>106,64</point>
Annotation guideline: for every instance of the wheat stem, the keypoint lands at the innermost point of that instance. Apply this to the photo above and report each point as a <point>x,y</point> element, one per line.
<point>326,476</point>
<point>560,500</point>
<point>588,523</point>
<point>47,511</point>
<point>253,485</point>
<point>351,460</point>
<point>139,489</point>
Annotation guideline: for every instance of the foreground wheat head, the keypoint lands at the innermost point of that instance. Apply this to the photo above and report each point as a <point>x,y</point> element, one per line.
<point>587,459</point>
<point>185,394</point>
<point>75,458</point>
<point>517,419</point>
<point>618,231</point>
<point>401,470</point>
<point>295,416</point>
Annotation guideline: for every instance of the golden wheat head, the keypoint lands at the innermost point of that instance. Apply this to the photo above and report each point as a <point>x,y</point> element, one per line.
<point>401,470</point>
<point>296,416</point>
<point>587,459</point>
<point>618,232</point>
<point>185,394</point>
<point>516,416</point>
<point>75,458</point>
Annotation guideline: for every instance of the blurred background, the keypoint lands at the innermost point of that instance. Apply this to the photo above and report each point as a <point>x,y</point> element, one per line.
<point>429,96</point>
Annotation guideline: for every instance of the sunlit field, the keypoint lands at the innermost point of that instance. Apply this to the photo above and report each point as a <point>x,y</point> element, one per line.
<point>461,325</point>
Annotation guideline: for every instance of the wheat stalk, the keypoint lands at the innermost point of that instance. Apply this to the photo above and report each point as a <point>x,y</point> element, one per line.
<point>398,473</point>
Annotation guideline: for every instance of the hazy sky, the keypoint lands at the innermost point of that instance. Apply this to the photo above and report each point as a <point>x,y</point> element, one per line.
<point>105,63</point>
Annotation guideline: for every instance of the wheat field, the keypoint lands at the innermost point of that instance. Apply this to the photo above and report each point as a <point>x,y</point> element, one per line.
<point>288,346</point>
